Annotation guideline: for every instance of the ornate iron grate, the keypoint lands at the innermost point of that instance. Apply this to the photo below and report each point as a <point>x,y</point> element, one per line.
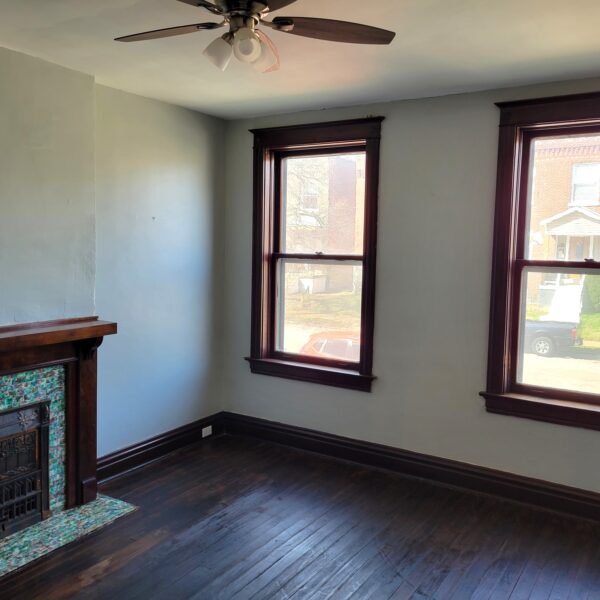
<point>24,488</point>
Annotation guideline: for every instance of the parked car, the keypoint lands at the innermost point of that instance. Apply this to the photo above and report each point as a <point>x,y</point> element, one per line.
<point>339,345</point>
<point>547,338</point>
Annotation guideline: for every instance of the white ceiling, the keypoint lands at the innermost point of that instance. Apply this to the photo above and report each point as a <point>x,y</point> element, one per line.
<point>441,47</point>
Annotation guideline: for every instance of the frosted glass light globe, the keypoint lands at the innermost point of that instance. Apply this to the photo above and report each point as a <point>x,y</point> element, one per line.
<point>219,53</point>
<point>246,45</point>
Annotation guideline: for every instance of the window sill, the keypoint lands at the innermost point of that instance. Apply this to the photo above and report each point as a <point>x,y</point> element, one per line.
<point>352,380</point>
<point>561,412</point>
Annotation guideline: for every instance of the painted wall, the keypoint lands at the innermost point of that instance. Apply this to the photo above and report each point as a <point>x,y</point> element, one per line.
<point>164,256</point>
<point>159,264</point>
<point>47,235</point>
<point>438,175</point>
<point>80,162</point>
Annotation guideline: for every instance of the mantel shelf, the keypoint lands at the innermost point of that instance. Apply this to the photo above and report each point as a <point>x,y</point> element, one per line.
<point>20,337</point>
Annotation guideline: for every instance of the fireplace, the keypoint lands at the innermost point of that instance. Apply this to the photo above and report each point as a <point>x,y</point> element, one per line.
<point>24,482</point>
<point>47,418</point>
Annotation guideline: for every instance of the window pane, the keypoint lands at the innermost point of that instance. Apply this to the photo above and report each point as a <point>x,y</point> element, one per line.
<point>319,307</point>
<point>564,199</point>
<point>323,204</point>
<point>560,331</point>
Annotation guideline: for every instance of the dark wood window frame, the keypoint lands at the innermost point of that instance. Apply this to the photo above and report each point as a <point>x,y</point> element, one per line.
<point>270,146</point>
<point>520,123</point>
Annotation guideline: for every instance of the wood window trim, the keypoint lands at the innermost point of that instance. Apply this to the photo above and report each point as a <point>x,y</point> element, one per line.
<point>519,122</point>
<point>268,145</point>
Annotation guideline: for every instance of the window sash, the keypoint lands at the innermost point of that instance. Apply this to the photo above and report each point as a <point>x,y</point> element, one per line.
<point>520,267</point>
<point>279,204</point>
<point>277,260</point>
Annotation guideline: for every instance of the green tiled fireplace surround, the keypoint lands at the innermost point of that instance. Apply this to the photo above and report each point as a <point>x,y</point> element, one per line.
<point>41,385</point>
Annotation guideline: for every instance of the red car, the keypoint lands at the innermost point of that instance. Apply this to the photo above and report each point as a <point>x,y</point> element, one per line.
<point>339,345</point>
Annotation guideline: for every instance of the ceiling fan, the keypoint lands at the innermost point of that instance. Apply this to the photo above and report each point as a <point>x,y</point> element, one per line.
<point>252,45</point>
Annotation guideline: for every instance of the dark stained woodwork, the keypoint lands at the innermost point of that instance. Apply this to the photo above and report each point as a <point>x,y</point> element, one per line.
<point>72,343</point>
<point>270,147</point>
<point>33,335</point>
<point>325,375</point>
<point>561,412</point>
<point>520,123</point>
<point>46,324</point>
<point>142,453</point>
<point>542,494</point>
<point>238,518</point>
<point>580,108</point>
<point>313,134</point>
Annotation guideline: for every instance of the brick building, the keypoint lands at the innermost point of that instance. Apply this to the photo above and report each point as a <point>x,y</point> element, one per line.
<point>564,209</point>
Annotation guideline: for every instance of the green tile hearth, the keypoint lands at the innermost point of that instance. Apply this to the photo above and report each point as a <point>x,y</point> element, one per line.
<point>40,539</point>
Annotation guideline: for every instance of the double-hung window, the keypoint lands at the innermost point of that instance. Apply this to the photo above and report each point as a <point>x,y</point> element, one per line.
<point>544,352</point>
<point>315,220</point>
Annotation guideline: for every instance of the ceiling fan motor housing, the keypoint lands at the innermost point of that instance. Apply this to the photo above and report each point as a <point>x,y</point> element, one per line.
<point>247,7</point>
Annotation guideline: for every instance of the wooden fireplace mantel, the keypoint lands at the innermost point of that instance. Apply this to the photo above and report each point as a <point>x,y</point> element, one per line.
<point>71,343</point>
<point>31,335</point>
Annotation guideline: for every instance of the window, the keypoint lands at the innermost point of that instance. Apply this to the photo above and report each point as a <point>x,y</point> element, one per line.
<point>315,222</point>
<point>544,349</point>
<point>586,184</point>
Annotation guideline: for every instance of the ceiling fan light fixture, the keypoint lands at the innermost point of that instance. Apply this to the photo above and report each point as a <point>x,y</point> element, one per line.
<point>246,45</point>
<point>219,51</point>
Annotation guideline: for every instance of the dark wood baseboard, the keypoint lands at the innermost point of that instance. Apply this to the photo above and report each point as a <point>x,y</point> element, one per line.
<point>542,494</point>
<point>137,455</point>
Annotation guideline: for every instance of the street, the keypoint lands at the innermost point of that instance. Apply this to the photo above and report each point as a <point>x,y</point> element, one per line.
<point>577,371</point>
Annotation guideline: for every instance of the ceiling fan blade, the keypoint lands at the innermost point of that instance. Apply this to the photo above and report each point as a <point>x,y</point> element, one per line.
<point>278,4</point>
<point>333,31</point>
<point>168,32</point>
<point>265,39</point>
<point>204,4</point>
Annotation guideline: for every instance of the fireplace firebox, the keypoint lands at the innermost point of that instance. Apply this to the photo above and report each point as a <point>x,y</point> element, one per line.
<point>47,418</point>
<point>24,483</point>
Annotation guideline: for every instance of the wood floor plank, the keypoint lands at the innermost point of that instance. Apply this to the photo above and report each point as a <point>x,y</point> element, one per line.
<point>234,518</point>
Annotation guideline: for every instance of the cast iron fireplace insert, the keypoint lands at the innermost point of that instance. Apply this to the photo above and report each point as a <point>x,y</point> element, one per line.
<point>24,450</point>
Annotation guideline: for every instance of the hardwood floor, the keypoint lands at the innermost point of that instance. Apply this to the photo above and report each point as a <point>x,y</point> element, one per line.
<point>235,518</point>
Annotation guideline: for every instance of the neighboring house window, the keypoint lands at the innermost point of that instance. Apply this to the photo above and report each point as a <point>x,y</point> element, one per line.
<point>586,185</point>
<point>544,342</point>
<point>315,225</point>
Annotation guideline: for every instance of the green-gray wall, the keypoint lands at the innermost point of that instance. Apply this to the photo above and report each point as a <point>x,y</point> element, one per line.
<point>158,265</point>
<point>121,205</point>
<point>110,204</point>
<point>47,231</point>
<point>436,211</point>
